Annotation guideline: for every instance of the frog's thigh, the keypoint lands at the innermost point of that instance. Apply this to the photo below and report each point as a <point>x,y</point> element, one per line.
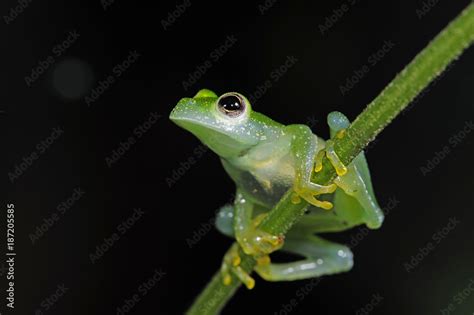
<point>321,222</point>
<point>356,184</point>
<point>322,258</point>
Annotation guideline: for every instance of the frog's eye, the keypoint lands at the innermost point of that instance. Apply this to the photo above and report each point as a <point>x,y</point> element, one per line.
<point>231,104</point>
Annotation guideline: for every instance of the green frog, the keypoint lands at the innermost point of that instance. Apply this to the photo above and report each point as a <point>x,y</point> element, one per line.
<point>265,159</point>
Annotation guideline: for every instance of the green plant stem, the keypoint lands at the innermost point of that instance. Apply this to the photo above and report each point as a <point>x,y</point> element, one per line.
<point>428,64</point>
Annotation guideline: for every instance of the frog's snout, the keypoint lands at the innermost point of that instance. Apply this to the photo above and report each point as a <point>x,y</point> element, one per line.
<point>183,109</point>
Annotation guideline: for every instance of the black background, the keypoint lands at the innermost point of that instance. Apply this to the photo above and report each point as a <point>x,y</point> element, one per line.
<point>173,214</point>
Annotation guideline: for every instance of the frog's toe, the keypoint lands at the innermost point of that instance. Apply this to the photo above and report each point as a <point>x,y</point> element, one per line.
<point>309,192</point>
<point>257,243</point>
<point>336,162</point>
<point>231,266</point>
<point>316,202</point>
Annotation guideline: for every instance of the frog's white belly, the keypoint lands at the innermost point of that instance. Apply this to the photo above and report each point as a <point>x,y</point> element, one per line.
<point>266,184</point>
<point>265,173</point>
<point>274,172</point>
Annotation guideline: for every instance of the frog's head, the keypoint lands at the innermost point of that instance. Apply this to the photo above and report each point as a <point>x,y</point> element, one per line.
<point>226,123</point>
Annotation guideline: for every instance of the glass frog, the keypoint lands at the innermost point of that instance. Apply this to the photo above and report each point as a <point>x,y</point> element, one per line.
<point>265,159</point>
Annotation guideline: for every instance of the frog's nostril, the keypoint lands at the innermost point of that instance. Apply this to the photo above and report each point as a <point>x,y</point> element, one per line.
<point>173,114</point>
<point>183,108</point>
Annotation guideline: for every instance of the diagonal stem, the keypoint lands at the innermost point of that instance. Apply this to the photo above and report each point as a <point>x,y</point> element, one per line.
<point>425,67</point>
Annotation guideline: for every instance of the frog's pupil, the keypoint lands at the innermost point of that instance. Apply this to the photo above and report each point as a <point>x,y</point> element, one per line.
<point>230,103</point>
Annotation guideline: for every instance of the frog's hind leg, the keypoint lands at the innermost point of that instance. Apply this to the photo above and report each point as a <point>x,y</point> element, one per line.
<point>251,239</point>
<point>356,193</point>
<point>320,221</point>
<point>231,264</point>
<point>321,258</point>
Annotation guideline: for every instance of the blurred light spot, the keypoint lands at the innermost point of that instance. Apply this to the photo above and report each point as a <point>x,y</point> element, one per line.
<point>72,78</point>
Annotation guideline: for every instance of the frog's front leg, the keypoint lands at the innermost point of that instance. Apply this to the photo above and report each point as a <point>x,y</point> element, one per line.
<point>338,123</point>
<point>304,147</point>
<point>251,239</point>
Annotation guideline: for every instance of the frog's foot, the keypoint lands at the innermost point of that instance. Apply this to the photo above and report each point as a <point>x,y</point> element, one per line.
<point>231,265</point>
<point>258,243</point>
<point>309,191</point>
<point>340,168</point>
<point>254,242</point>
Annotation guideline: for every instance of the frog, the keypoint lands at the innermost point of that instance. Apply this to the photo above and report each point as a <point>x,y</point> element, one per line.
<point>266,159</point>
